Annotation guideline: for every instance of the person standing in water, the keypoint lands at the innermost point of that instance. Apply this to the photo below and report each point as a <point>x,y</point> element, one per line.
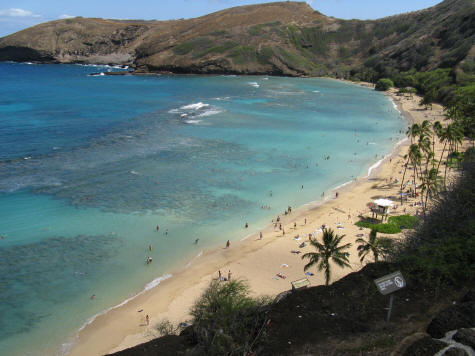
<point>227,244</point>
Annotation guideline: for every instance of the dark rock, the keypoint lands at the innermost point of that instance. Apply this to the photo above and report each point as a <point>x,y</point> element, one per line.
<point>408,342</point>
<point>466,336</point>
<point>455,351</point>
<point>454,317</point>
<point>469,296</point>
<point>420,344</point>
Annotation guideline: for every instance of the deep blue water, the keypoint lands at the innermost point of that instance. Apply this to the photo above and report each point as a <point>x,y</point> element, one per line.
<point>89,165</point>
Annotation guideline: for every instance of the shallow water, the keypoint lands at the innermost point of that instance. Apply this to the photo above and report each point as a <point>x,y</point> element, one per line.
<point>90,165</point>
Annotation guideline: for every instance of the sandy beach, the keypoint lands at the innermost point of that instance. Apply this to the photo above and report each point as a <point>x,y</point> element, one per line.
<point>260,260</point>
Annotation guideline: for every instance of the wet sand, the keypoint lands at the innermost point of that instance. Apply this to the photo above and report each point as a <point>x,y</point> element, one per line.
<point>259,260</point>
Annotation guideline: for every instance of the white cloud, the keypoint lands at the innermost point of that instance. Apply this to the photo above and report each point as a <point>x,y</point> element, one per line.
<point>64,16</point>
<point>18,13</point>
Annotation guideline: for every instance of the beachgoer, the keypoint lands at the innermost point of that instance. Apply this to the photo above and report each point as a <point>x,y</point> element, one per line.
<point>270,193</point>
<point>246,226</point>
<point>158,227</point>
<point>295,225</point>
<point>278,218</point>
<point>219,274</point>
<point>302,186</point>
<point>227,244</point>
<point>166,232</point>
<point>260,235</point>
<point>283,232</point>
<point>229,275</point>
<point>336,195</point>
<point>196,241</point>
<point>280,226</point>
<point>150,247</point>
<point>305,221</point>
<point>147,319</point>
<point>93,296</point>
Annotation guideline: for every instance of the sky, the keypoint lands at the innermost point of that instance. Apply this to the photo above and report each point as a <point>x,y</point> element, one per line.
<point>16,15</point>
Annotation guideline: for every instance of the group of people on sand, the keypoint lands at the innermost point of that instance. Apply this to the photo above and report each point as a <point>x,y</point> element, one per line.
<point>222,278</point>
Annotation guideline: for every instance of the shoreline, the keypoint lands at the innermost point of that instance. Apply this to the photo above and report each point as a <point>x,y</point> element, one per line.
<point>122,325</point>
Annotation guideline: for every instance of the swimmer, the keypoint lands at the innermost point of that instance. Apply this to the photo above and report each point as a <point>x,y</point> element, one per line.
<point>246,226</point>
<point>196,241</point>
<point>158,227</point>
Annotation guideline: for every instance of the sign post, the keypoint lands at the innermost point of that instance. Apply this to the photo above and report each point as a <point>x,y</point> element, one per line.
<point>388,285</point>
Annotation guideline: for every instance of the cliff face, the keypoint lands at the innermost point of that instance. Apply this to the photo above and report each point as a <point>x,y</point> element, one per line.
<point>285,38</point>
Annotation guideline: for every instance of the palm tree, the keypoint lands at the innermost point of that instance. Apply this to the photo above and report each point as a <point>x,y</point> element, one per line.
<point>425,129</point>
<point>413,131</point>
<point>431,185</point>
<point>378,246</point>
<point>414,156</point>
<point>328,250</point>
<point>437,127</point>
<point>454,136</point>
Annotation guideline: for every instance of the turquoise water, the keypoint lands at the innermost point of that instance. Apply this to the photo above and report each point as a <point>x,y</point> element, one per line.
<point>89,165</point>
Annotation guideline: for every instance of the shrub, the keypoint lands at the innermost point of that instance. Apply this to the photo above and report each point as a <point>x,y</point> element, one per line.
<point>384,84</point>
<point>394,225</point>
<point>226,320</point>
<point>404,221</point>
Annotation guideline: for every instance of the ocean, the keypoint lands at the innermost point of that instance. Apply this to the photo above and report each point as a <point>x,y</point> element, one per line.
<point>90,165</point>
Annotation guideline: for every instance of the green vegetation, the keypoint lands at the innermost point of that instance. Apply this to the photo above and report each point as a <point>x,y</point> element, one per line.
<point>329,250</point>
<point>404,221</point>
<point>384,84</point>
<point>394,225</point>
<point>226,320</point>
<point>378,246</point>
<point>442,249</point>
<point>379,227</point>
<point>243,54</point>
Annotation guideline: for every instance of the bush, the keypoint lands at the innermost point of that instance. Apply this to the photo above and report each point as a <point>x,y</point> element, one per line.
<point>394,225</point>
<point>226,320</point>
<point>404,221</point>
<point>384,84</point>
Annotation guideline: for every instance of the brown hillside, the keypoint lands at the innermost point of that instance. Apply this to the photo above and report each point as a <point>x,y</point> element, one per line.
<point>283,38</point>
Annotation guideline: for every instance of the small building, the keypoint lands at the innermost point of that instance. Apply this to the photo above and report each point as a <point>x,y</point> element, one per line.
<point>381,207</point>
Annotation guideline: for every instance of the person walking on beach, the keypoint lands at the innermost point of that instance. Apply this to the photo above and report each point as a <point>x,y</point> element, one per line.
<point>295,225</point>
<point>229,275</point>
<point>219,274</point>
<point>305,221</point>
<point>227,244</point>
<point>260,235</point>
<point>147,319</point>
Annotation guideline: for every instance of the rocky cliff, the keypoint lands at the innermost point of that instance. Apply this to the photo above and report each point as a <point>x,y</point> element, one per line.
<point>282,38</point>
